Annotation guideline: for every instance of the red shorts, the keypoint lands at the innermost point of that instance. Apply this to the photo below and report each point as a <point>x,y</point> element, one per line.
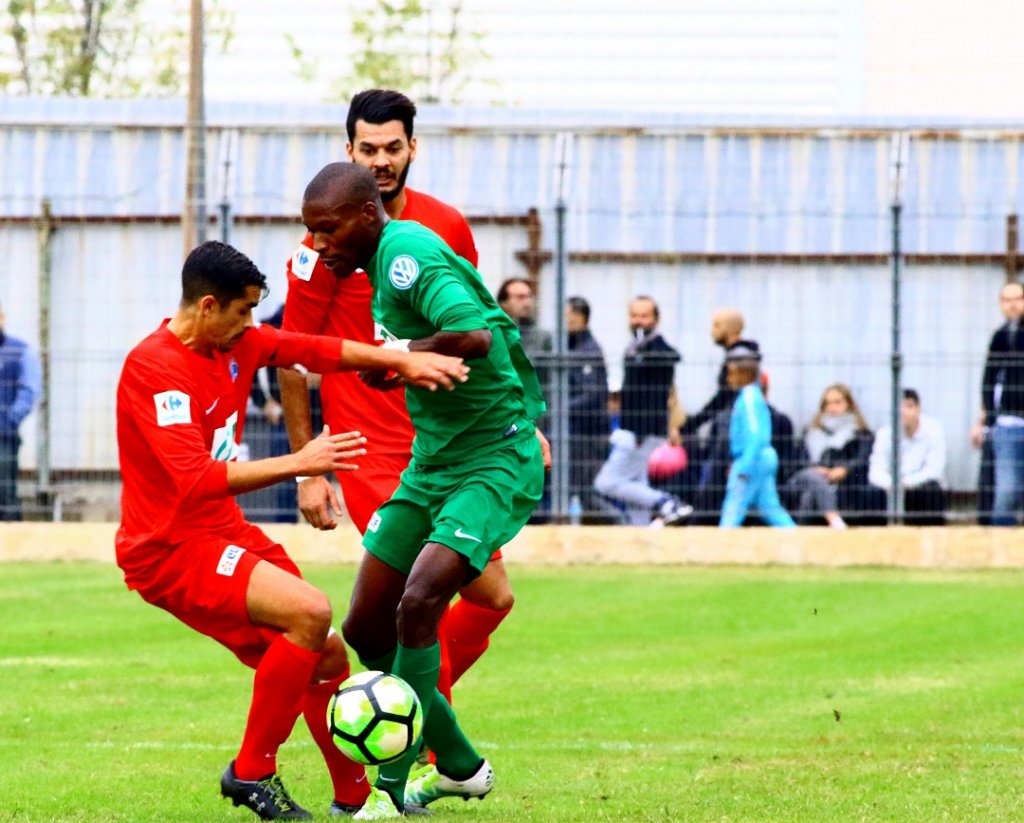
<point>204,581</point>
<point>366,489</point>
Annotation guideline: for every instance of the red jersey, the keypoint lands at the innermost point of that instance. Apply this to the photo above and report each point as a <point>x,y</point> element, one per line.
<point>321,302</point>
<point>179,420</point>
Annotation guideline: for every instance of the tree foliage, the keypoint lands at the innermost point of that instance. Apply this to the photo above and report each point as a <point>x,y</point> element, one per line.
<point>97,48</point>
<point>425,48</point>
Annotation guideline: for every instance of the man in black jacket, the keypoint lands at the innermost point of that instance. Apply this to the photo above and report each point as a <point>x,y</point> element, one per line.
<point>726,331</point>
<point>648,377</point>
<point>1002,401</point>
<point>588,403</point>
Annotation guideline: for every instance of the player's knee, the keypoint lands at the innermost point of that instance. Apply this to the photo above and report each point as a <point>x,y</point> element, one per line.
<point>419,614</point>
<point>333,660</point>
<point>314,617</point>
<point>502,600</point>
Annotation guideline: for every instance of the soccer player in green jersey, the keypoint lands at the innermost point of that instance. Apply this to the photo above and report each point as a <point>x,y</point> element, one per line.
<point>477,469</point>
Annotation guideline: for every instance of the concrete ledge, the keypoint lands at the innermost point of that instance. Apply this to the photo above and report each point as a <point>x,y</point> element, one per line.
<point>953,547</point>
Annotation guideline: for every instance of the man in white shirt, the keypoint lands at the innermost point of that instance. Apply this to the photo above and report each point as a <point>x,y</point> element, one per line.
<point>922,463</point>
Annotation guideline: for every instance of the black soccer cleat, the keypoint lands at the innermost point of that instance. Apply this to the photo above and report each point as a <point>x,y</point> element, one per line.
<point>339,809</point>
<point>267,797</point>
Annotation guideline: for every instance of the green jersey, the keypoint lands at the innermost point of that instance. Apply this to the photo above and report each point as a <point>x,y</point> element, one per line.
<point>420,287</point>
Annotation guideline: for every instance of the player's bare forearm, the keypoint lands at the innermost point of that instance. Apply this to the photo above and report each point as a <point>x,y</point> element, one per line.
<point>323,454</point>
<point>427,369</point>
<point>297,411</point>
<point>465,344</point>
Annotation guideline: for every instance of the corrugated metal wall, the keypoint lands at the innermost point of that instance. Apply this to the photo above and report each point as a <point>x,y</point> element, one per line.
<point>661,184</point>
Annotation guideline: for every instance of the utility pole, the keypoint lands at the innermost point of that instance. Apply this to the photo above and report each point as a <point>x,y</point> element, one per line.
<point>193,218</point>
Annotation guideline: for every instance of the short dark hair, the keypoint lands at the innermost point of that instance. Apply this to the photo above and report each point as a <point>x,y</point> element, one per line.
<point>380,106</point>
<point>580,306</point>
<point>502,295</point>
<point>218,269</point>
<point>912,395</point>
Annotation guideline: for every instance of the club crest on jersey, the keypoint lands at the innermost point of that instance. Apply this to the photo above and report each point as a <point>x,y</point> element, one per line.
<point>172,407</point>
<point>233,369</point>
<point>303,261</point>
<point>404,270</point>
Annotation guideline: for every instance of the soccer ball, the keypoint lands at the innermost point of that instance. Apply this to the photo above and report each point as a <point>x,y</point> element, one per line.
<point>374,717</point>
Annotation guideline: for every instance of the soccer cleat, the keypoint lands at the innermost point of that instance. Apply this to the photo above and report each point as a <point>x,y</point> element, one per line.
<point>378,806</point>
<point>339,809</point>
<point>428,784</point>
<point>267,797</point>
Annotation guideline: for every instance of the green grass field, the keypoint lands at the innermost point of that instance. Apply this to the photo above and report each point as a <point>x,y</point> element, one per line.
<point>610,693</point>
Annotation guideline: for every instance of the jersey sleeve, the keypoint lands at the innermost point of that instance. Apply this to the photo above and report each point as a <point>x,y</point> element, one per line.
<point>286,349</point>
<point>310,286</point>
<point>462,241</point>
<point>167,421</point>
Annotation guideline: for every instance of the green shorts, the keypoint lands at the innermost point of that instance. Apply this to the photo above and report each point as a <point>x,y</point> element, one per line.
<point>474,507</point>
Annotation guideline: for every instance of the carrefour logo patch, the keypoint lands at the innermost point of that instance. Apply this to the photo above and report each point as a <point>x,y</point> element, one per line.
<point>404,270</point>
<point>303,261</point>
<point>172,407</point>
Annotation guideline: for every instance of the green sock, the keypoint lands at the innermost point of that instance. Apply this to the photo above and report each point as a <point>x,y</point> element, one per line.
<point>419,668</point>
<point>456,756</point>
<point>379,664</point>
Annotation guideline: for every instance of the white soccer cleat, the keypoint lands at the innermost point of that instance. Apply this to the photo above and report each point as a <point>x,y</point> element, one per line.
<point>378,806</point>
<point>428,785</point>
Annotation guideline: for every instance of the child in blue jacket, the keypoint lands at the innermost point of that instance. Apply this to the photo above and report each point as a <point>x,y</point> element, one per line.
<point>751,481</point>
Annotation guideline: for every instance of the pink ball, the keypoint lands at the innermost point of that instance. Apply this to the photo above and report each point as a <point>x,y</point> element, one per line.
<point>665,461</point>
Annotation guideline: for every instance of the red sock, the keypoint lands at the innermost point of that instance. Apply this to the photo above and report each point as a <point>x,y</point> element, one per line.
<point>469,629</point>
<point>349,778</point>
<point>282,678</point>
<point>444,677</point>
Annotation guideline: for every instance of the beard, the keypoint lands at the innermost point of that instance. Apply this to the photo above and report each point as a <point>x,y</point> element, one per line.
<point>388,196</point>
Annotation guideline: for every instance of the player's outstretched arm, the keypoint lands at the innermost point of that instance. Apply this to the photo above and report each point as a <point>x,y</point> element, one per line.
<point>426,369</point>
<point>323,454</point>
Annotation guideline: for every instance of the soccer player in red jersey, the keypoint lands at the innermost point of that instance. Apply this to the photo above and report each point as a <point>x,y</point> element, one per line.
<point>183,542</point>
<point>380,138</point>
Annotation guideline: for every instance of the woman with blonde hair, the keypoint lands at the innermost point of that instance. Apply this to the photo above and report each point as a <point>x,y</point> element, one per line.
<point>838,443</point>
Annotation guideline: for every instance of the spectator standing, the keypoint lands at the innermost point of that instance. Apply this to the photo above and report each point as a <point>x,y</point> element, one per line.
<point>648,378</point>
<point>838,443</point>
<point>588,402</point>
<point>518,300</point>
<point>726,331</point>
<point>20,386</point>
<point>751,482</point>
<point>922,463</point>
<point>1002,405</point>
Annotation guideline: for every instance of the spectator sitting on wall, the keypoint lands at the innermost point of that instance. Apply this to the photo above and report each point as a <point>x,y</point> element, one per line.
<point>922,463</point>
<point>838,443</point>
<point>648,377</point>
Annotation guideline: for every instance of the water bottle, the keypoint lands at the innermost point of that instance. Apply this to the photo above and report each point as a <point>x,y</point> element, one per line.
<point>575,510</point>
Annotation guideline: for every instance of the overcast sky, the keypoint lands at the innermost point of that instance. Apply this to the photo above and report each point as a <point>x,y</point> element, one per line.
<point>829,57</point>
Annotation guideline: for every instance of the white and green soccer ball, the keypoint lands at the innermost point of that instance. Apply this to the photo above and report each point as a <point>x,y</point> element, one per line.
<point>374,717</point>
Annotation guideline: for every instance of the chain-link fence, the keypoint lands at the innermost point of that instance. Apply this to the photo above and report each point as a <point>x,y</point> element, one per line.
<point>794,227</point>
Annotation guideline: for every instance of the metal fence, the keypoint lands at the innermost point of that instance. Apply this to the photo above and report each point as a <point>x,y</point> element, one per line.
<point>790,224</point>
